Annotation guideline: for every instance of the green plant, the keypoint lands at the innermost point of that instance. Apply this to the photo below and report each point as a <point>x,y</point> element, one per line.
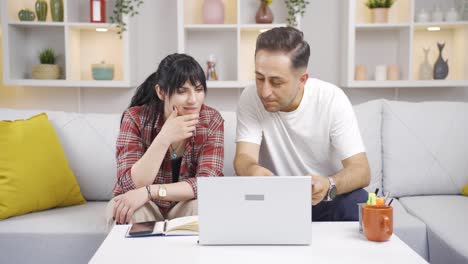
<point>295,7</point>
<point>121,8</point>
<point>47,56</point>
<point>267,1</point>
<point>379,3</point>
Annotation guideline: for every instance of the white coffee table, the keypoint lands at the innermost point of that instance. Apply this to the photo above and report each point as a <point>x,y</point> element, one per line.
<point>332,242</point>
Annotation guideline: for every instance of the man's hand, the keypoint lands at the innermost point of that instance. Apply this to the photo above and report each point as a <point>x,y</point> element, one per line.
<point>319,188</point>
<point>127,203</point>
<point>177,128</point>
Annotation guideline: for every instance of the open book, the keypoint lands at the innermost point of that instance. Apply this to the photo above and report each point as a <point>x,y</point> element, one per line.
<point>182,226</point>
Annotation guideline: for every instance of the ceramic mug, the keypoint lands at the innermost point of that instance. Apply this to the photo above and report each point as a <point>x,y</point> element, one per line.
<point>377,221</point>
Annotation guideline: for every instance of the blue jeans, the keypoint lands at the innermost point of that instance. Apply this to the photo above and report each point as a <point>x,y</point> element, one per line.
<point>343,208</point>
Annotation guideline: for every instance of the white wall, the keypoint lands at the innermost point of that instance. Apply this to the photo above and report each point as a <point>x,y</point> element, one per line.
<point>156,36</point>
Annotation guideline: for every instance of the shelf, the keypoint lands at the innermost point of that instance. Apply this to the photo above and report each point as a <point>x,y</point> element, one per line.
<point>233,43</point>
<point>400,42</point>
<point>36,24</point>
<point>442,25</point>
<point>407,84</point>
<point>66,83</point>
<point>86,47</point>
<point>76,43</point>
<point>228,84</point>
<point>222,44</point>
<point>206,27</point>
<point>92,26</point>
<point>260,26</point>
<point>383,26</point>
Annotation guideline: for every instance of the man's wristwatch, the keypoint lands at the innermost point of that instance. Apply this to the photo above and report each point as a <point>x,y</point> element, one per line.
<point>331,194</point>
<point>162,192</point>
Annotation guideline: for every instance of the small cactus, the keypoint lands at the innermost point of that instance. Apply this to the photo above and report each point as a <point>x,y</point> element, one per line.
<point>47,56</point>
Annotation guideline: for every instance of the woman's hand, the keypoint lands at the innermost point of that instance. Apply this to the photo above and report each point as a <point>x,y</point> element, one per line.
<point>177,128</point>
<point>127,203</point>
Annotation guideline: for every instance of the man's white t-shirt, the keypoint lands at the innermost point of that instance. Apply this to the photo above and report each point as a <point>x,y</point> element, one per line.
<point>313,139</point>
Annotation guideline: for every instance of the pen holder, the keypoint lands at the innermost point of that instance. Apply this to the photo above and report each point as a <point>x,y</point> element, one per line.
<point>377,221</point>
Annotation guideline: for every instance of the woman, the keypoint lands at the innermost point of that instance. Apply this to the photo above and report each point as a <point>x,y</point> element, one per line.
<point>167,139</point>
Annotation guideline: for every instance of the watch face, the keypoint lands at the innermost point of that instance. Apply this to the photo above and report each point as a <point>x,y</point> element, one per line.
<point>162,192</point>
<point>332,192</point>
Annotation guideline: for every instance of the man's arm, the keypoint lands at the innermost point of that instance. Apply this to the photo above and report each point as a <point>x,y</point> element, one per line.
<point>246,160</point>
<point>354,175</point>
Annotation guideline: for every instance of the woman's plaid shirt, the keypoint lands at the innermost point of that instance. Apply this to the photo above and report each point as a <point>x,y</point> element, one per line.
<point>203,156</point>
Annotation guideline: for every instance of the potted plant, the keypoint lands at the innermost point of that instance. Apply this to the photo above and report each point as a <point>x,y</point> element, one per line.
<point>379,9</point>
<point>121,8</point>
<point>296,9</point>
<point>47,69</point>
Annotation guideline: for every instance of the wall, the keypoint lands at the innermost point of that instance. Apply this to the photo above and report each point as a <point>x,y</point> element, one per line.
<point>156,36</point>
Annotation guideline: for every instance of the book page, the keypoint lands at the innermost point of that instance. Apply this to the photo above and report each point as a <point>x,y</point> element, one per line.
<point>159,228</point>
<point>188,223</point>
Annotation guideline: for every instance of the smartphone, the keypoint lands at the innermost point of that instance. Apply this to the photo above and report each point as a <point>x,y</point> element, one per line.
<point>141,229</point>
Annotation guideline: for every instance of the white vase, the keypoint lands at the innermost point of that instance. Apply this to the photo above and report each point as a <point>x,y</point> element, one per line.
<point>451,15</point>
<point>437,15</point>
<point>423,16</point>
<point>425,69</point>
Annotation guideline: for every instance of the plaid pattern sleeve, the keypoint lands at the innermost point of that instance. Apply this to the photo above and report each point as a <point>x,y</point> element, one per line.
<point>211,157</point>
<point>129,149</point>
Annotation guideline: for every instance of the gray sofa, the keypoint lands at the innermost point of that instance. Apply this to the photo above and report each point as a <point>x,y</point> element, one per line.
<point>416,151</point>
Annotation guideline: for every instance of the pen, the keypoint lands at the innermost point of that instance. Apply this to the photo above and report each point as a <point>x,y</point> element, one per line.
<point>386,196</point>
<point>390,202</point>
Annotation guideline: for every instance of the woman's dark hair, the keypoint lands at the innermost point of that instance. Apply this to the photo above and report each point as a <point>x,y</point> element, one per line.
<point>288,40</point>
<point>173,71</point>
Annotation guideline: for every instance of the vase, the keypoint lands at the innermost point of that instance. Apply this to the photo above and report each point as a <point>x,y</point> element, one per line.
<point>41,10</point>
<point>264,14</point>
<point>56,10</point>
<point>437,14</point>
<point>425,69</point>
<point>441,68</point>
<point>213,12</point>
<point>379,15</point>
<point>26,15</point>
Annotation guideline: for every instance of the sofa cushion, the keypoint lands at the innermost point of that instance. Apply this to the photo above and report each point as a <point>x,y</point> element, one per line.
<point>446,217</point>
<point>229,142</point>
<point>88,141</point>
<point>34,172</point>
<point>410,229</point>
<point>74,233</point>
<point>424,147</point>
<point>369,116</point>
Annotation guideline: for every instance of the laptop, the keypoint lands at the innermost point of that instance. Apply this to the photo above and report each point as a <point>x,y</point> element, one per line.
<point>255,210</point>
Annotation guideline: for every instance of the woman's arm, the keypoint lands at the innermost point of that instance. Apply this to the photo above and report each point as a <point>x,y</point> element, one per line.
<point>175,128</point>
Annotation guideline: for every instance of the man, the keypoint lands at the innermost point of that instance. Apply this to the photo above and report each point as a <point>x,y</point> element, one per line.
<point>293,125</point>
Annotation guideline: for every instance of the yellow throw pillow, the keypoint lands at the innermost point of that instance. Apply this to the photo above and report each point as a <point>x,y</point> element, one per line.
<point>34,172</point>
<point>464,191</point>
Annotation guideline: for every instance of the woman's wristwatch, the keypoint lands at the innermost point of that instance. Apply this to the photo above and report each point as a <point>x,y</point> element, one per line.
<point>162,192</point>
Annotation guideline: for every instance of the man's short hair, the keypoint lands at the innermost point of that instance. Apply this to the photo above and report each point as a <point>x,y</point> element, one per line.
<point>288,40</point>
